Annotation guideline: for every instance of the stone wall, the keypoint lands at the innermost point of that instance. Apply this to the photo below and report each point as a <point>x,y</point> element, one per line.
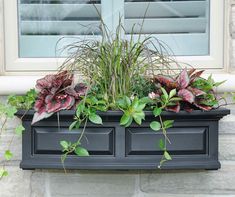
<point>51,183</point>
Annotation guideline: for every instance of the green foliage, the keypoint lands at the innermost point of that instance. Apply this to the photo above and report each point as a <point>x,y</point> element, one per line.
<point>161,103</point>
<point>156,126</point>
<point>82,152</point>
<point>8,155</point>
<point>117,66</point>
<point>142,86</point>
<point>161,144</point>
<point>3,173</point>
<point>7,112</point>
<point>86,110</point>
<point>23,102</point>
<point>206,85</point>
<point>168,99</point>
<point>19,129</point>
<point>132,109</point>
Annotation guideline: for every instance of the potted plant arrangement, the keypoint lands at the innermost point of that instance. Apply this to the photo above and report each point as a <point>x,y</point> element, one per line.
<point>129,110</point>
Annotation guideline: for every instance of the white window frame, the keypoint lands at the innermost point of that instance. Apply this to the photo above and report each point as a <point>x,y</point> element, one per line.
<point>14,64</point>
<point>11,64</point>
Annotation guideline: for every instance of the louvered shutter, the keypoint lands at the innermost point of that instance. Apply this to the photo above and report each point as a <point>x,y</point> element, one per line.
<point>181,24</point>
<point>43,22</point>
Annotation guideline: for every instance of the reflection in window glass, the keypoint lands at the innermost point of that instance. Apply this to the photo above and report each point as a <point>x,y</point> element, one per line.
<point>181,24</point>
<point>42,23</point>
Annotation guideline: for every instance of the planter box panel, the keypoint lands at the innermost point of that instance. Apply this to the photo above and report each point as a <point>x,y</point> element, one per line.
<point>184,140</point>
<point>194,142</point>
<point>98,141</point>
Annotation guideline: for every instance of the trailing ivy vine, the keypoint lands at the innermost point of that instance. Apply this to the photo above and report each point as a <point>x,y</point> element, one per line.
<point>7,112</point>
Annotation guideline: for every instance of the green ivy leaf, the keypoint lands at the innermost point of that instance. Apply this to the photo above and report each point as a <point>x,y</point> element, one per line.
<point>73,125</point>
<point>161,144</point>
<point>19,129</point>
<point>3,173</point>
<point>80,109</point>
<point>125,119</point>
<point>156,126</point>
<point>8,155</point>
<point>10,111</point>
<point>168,123</point>
<point>96,119</point>
<point>64,144</point>
<point>157,111</point>
<point>167,156</point>
<point>82,152</point>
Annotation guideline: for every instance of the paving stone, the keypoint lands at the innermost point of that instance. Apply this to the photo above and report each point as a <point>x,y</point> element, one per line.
<point>219,182</point>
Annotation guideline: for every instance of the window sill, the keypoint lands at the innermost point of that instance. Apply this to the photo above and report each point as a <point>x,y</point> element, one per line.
<point>17,84</point>
<point>21,84</point>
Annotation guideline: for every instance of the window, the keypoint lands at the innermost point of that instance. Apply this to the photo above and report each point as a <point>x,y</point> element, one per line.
<point>179,24</point>
<point>47,25</point>
<point>192,28</point>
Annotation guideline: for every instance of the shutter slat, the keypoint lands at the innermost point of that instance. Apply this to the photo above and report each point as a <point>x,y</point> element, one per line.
<point>166,25</point>
<point>60,27</point>
<point>165,9</point>
<point>59,11</point>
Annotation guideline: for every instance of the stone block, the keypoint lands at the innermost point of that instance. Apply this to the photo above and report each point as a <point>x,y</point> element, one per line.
<point>219,182</point>
<point>92,183</point>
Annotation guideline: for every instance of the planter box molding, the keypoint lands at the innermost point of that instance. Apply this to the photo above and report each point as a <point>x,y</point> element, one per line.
<point>194,142</point>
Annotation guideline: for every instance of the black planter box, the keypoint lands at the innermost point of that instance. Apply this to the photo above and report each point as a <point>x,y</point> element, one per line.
<point>194,142</point>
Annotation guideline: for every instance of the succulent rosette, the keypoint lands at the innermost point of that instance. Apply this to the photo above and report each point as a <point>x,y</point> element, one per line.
<point>195,92</point>
<point>57,92</point>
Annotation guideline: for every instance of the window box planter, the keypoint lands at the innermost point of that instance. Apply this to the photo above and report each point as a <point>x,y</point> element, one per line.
<point>194,142</point>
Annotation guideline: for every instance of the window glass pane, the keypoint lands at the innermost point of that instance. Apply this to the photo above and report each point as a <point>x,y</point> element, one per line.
<point>42,23</point>
<point>182,24</point>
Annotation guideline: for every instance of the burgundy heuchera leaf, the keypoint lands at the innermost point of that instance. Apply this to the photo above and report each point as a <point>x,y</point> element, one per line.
<point>196,91</point>
<point>186,95</point>
<point>183,79</point>
<point>196,75</point>
<point>203,107</point>
<point>165,81</point>
<point>174,108</point>
<point>57,92</point>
